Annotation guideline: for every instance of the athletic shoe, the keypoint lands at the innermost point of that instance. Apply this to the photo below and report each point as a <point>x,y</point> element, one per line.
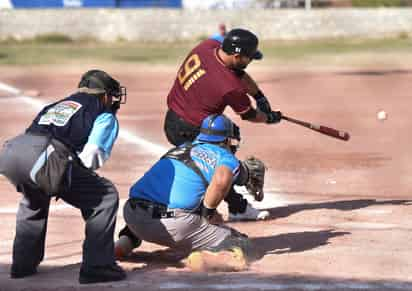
<point>98,274</point>
<point>250,213</point>
<point>223,261</point>
<point>126,243</point>
<point>18,272</point>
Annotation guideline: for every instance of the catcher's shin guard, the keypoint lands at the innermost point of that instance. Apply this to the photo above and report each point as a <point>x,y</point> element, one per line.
<point>233,260</point>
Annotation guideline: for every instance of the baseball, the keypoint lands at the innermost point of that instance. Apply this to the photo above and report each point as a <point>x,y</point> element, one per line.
<point>31,93</point>
<point>382,115</point>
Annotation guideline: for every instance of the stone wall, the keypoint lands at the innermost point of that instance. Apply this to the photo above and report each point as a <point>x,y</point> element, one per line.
<point>176,24</point>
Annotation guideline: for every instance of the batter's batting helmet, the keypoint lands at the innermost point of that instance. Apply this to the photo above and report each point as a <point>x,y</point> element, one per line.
<point>242,41</point>
<point>217,128</point>
<point>98,82</point>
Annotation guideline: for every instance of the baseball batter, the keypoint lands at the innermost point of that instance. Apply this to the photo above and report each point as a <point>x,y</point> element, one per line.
<point>211,78</point>
<point>175,211</point>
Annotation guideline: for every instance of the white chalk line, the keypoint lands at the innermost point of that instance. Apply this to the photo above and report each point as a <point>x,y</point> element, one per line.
<point>124,134</point>
<point>53,208</point>
<point>271,200</point>
<point>9,89</point>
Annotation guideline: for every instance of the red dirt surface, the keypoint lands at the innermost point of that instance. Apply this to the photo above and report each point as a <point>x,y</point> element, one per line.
<point>340,211</point>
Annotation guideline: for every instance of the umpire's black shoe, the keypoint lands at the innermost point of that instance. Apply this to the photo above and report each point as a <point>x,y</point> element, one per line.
<point>98,274</point>
<point>18,272</point>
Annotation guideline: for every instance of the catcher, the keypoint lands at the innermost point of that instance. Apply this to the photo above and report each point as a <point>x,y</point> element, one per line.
<point>174,203</point>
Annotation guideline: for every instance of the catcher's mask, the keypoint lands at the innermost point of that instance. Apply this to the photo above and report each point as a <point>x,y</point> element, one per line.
<point>99,82</point>
<point>243,42</point>
<point>217,128</point>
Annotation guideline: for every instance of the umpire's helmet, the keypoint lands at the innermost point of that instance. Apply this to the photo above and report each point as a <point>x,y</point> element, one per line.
<point>99,82</point>
<point>218,128</point>
<point>242,41</point>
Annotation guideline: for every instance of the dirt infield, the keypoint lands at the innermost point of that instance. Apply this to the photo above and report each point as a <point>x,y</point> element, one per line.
<point>340,211</point>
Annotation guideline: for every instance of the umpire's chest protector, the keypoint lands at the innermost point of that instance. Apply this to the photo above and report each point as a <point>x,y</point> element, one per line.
<point>69,120</point>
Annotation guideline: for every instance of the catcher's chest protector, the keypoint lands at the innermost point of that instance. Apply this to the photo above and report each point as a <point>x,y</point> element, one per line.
<point>182,153</point>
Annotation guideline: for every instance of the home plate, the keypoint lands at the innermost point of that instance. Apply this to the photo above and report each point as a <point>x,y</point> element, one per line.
<point>272,198</point>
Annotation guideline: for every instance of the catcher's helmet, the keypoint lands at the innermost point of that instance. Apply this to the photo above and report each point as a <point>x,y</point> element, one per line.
<point>101,82</point>
<point>217,128</point>
<point>242,41</point>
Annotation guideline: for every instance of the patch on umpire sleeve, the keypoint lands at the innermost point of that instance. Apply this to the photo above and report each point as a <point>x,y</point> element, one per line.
<point>60,113</point>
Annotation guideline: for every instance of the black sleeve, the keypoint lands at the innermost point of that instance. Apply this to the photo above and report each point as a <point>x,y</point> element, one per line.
<point>250,114</point>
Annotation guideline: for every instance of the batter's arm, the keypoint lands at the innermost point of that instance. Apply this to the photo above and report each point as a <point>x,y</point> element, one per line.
<point>251,85</point>
<point>262,102</point>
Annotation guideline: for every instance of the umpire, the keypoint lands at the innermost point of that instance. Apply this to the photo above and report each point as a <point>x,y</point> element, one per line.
<point>57,156</point>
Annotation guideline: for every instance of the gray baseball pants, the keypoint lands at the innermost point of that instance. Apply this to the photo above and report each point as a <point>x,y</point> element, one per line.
<point>185,232</point>
<point>95,196</point>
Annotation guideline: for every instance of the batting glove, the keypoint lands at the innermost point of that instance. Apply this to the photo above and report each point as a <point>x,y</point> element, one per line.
<point>274,117</point>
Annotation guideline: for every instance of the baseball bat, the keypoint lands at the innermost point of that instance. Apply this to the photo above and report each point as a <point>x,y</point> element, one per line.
<point>320,128</point>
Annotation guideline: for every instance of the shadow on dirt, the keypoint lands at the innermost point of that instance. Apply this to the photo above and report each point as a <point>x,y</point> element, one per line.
<point>294,242</point>
<point>277,244</point>
<point>345,205</point>
<point>65,279</point>
<point>157,259</point>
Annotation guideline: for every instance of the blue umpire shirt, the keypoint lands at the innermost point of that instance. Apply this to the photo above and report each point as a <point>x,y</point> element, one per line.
<point>174,184</point>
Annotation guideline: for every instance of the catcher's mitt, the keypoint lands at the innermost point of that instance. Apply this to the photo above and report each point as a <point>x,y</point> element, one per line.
<point>256,180</point>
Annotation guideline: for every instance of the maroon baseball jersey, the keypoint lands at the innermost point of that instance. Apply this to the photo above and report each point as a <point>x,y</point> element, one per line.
<point>204,86</point>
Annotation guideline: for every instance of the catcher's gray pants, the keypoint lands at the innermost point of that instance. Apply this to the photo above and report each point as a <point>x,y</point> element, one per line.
<point>185,232</point>
<point>95,196</point>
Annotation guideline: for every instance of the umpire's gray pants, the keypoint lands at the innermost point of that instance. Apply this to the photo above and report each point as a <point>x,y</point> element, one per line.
<point>185,232</point>
<point>95,196</point>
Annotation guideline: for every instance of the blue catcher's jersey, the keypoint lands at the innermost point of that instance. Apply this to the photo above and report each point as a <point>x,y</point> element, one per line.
<point>174,184</point>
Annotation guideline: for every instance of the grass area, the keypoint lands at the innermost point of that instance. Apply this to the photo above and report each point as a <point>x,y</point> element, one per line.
<point>62,50</point>
<point>302,49</point>
<point>79,52</point>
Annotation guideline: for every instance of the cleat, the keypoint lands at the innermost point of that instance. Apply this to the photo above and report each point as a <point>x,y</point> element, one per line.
<point>251,213</point>
<point>126,243</point>
<point>223,261</point>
